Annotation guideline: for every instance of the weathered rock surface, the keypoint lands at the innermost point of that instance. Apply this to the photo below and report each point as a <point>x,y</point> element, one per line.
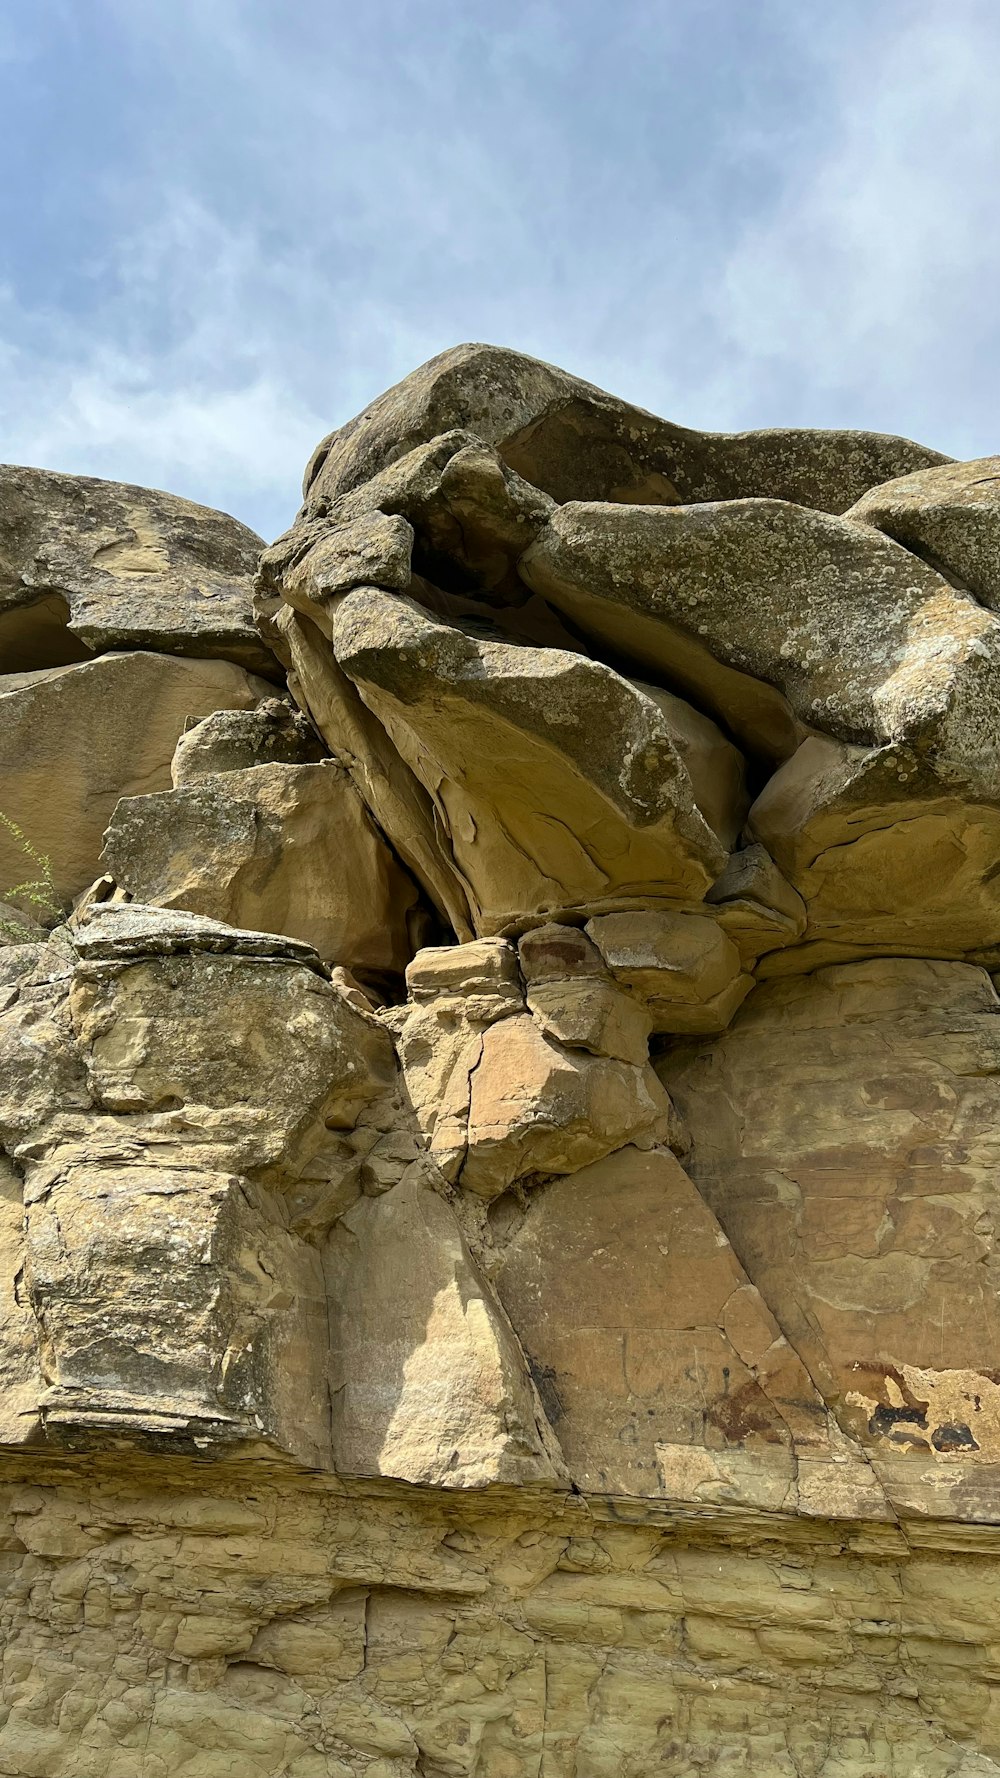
<point>74,739</point>
<point>233,740</point>
<point>695,1394</point>
<point>556,782</point>
<point>278,848</point>
<point>503,1091</point>
<point>681,967</point>
<point>950,515</point>
<point>844,1132</point>
<point>885,856</point>
<point>781,620</point>
<point>87,566</point>
<point>579,443</point>
<point>498,1248</point>
<point>428,1381</point>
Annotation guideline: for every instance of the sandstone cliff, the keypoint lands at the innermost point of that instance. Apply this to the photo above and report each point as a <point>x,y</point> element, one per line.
<point>499,1056</point>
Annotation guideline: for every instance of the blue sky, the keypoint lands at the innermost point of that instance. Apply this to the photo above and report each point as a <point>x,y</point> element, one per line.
<point>226,224</point>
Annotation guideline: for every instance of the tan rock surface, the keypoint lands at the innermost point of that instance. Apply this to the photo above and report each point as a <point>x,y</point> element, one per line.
<point>949,515</point>
<point>88,565</point>
<point>556,782</point>
<point>278,848</point>
<point>233,740</point>
<point>498,1096</point>
<point>74,739</point>
<point>579,443</point>
<point>886,857</point>
<point>778,619</point>
<point>436,1386</point>
<point>681,967</point>
<point>162,1159</point>
<point>536,1107</point>
<point>661,1369</point>
<point>396,798</point>
<point>428,1383</point>
<point>844,1132</point>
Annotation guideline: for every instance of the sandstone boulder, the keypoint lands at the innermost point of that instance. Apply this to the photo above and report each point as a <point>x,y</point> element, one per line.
<point>498,1097</point>
<point>233,740</point>
<point>451,510</point>
<point>571,995</point>
<point>165,1168</point>
<point>172,1302</point>
<point>886,856</point>
<point>73,739</point>
<point>555,782</point>
<point>87,566</point>
<point>755,905</point>
<point>780,620</point>
<point>949,515</point>
<point>277,848</point>
<point>579,443</point>
<point>537,1107</point>
<point>184,1017</point>
<point>397,799</point>
<point>681,967</point>
<point>716,768</point>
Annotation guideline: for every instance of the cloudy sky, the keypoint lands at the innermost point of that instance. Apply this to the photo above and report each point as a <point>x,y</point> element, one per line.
<point>226,224</point>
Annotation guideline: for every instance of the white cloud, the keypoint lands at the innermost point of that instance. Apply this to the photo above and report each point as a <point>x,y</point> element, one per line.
<point>316,203</point>
<point>869,292</point>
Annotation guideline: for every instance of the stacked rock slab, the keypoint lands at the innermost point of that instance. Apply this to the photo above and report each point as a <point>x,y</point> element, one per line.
<point>499,1059</point>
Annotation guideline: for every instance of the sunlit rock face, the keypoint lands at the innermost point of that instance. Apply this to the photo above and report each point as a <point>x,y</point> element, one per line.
<point>499,1106</point>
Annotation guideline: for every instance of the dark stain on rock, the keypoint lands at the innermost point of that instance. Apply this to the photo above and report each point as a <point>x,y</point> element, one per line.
<point>887,1422</point>
<point>953,1438</point>
<point>743,1414</point>
<point>544,1378</point>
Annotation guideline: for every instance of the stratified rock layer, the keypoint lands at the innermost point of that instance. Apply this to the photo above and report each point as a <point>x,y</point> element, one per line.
<point>498,1248</point>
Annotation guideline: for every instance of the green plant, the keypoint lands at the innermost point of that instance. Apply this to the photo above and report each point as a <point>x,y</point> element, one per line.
<point>38,892</point>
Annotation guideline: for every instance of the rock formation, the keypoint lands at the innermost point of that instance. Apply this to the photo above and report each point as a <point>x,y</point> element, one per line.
<point>499,1090</point>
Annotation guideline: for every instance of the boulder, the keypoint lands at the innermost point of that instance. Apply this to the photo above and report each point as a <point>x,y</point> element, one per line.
<point>173,1303</point>
<point>87,566</point>
<point>887,858</point>
<point>497,1095</point>
<point>233,740</point>
<point>779,620</point>
<point>949,515</point>
<point>591,1014</point>
<point>279,848</point>
<point>538,1107</point>
<point>579,443</point>
<point>429,1385</point>
<point>397,800</point>
<point>167,1163</point>
<point>555,783</point>
<point>681,967</point>
<point>716,768</point>
<point>755,905</point>
<point>73,739</point>
<point>451,509</point>
<point>176,1015</point>
<point>570,993</point>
